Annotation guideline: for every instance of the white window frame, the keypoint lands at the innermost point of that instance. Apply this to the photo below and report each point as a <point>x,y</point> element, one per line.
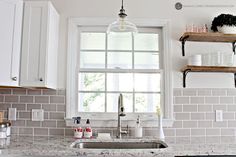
<point>72,73</point>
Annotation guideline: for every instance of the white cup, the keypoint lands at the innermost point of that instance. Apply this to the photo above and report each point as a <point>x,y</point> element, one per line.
<point>195,60</point>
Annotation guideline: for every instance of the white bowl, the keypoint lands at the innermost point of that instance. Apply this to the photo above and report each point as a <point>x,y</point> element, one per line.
<point>227,29</point>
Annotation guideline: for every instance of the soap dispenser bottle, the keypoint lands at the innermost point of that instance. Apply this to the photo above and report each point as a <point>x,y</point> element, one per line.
<point>88,130</point>
<point>78,131</point>
<point>138,130</point>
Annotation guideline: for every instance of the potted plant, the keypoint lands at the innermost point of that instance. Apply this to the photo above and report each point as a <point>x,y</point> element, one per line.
<point>224,23</point>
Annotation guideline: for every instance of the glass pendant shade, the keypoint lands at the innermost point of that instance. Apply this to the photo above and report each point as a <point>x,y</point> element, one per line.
<point>122,24</point>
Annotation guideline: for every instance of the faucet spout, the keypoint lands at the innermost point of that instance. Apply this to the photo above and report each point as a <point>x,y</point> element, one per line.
<point>121,113</point>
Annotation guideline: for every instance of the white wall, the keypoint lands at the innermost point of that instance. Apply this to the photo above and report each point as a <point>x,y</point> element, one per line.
<point>159,9</point>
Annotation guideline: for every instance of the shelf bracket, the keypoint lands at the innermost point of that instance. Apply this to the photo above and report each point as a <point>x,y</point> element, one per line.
<point>183,40</point>
<point>234,46</point>
<point>185,72</point>
<point>235,80</point>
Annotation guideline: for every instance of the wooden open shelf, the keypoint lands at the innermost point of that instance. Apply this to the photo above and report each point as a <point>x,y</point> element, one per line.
<point>221,69</point>
<point>207,37</point>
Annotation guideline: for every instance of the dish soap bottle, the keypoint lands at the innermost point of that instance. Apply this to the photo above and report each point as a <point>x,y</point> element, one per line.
<point>78,131</point>
<point>138,131</point>
<point>88,130</point>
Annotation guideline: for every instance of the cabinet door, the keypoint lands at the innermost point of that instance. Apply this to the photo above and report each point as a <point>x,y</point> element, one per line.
<point>34,41</point>
<point>10,41</point>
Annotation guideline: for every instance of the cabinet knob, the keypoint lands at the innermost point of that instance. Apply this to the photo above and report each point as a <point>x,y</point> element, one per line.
<point>41,79</point>
<point>14,78</point>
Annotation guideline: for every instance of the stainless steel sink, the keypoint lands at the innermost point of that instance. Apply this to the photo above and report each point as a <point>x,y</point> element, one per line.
<point>120,145</point>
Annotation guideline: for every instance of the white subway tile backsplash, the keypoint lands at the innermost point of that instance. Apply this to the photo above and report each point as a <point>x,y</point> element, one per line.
<point>26,99</point>
<point>219,107</point>
<point>205,108</point>
<point>34,92</point>
<point>178,108</point>
<point>228,132</point>
<point>42,99</point>
<point>219,92</point>
<point>182,140</point>
<point>204,92</point>
<point>222,124</point>
<point>181,100</point>
<point>190,124</point>
<point>197,116</point>
<point>178,124</point>
<point>231,124</point>
<point>177,92</point>
<point>227,139</point>
<point>231,108</point>
<point>194,113</point>
<point>226,100</point>
<point>212,132</point>
<point>231,92</point>
<point>190,108</point>
<point>182,116</point>
<point>182,132</point>
<point>212,139</point>
<point>197,100</point>
<point>228,116</point>
<point>189,92</point>
<point>198,132</point>
<point>205,124</point>
<point>197,140</point>
<point>212,100</point>
<point>210,115</point>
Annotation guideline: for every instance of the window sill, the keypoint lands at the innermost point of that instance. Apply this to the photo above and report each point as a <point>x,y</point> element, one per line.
<point>110,120</point>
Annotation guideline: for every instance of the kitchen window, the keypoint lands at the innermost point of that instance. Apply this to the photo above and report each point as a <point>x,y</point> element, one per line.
<point>110,64</point>
<point>116,63</point>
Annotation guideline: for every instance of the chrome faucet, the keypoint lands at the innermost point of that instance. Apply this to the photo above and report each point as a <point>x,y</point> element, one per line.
<point>120,114</point>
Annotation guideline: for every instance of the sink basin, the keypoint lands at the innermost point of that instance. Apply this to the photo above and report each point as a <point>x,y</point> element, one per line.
<point>120,145</point>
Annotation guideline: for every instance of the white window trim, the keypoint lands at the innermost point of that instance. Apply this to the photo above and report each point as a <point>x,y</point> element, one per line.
<point>72,75</point>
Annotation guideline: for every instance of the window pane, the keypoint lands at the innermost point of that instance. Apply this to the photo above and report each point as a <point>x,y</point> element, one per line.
<point>91,82</point>
<point>146,102</point>
<point>146,61</point>
<point>146,42</point>
<point>119,41</point>
<point>122,60</point>
<point>147,82</point>
<point>112,102</point>
<point>92,102</point>
<point>92,59</point>
<point>93,41</point>
<point>119,82</point>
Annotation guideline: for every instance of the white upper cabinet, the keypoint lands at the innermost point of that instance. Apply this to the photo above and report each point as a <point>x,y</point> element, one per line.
<point>39,45</point>
<point>11,12</point>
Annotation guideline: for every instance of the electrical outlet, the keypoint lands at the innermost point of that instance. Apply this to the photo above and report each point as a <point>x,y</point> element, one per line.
<point>37,115</point>
<point>219,115</point>
<point>12,114</point>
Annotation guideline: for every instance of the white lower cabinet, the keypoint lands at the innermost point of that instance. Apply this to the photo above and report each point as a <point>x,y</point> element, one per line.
<point>11,12</point>
<point>39,45</point>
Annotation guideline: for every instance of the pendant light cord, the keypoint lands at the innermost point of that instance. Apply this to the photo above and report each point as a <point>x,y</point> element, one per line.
<point>122,13</point>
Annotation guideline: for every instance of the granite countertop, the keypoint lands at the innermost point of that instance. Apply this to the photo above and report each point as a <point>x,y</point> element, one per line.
<point>56,146</point>
<point>60,147</point>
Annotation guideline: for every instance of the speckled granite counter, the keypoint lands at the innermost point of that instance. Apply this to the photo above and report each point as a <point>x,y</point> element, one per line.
<point>60,147</point>
<point>55,146</point>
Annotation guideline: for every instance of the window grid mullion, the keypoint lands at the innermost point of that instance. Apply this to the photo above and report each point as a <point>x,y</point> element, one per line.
<point>133,73</point>
<point>139,92</point>
<point>145,71</point>
<point>106,46</point>
<point>120,51</point>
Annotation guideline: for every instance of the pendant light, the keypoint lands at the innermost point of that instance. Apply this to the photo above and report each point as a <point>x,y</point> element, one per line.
<point>121,24</point>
